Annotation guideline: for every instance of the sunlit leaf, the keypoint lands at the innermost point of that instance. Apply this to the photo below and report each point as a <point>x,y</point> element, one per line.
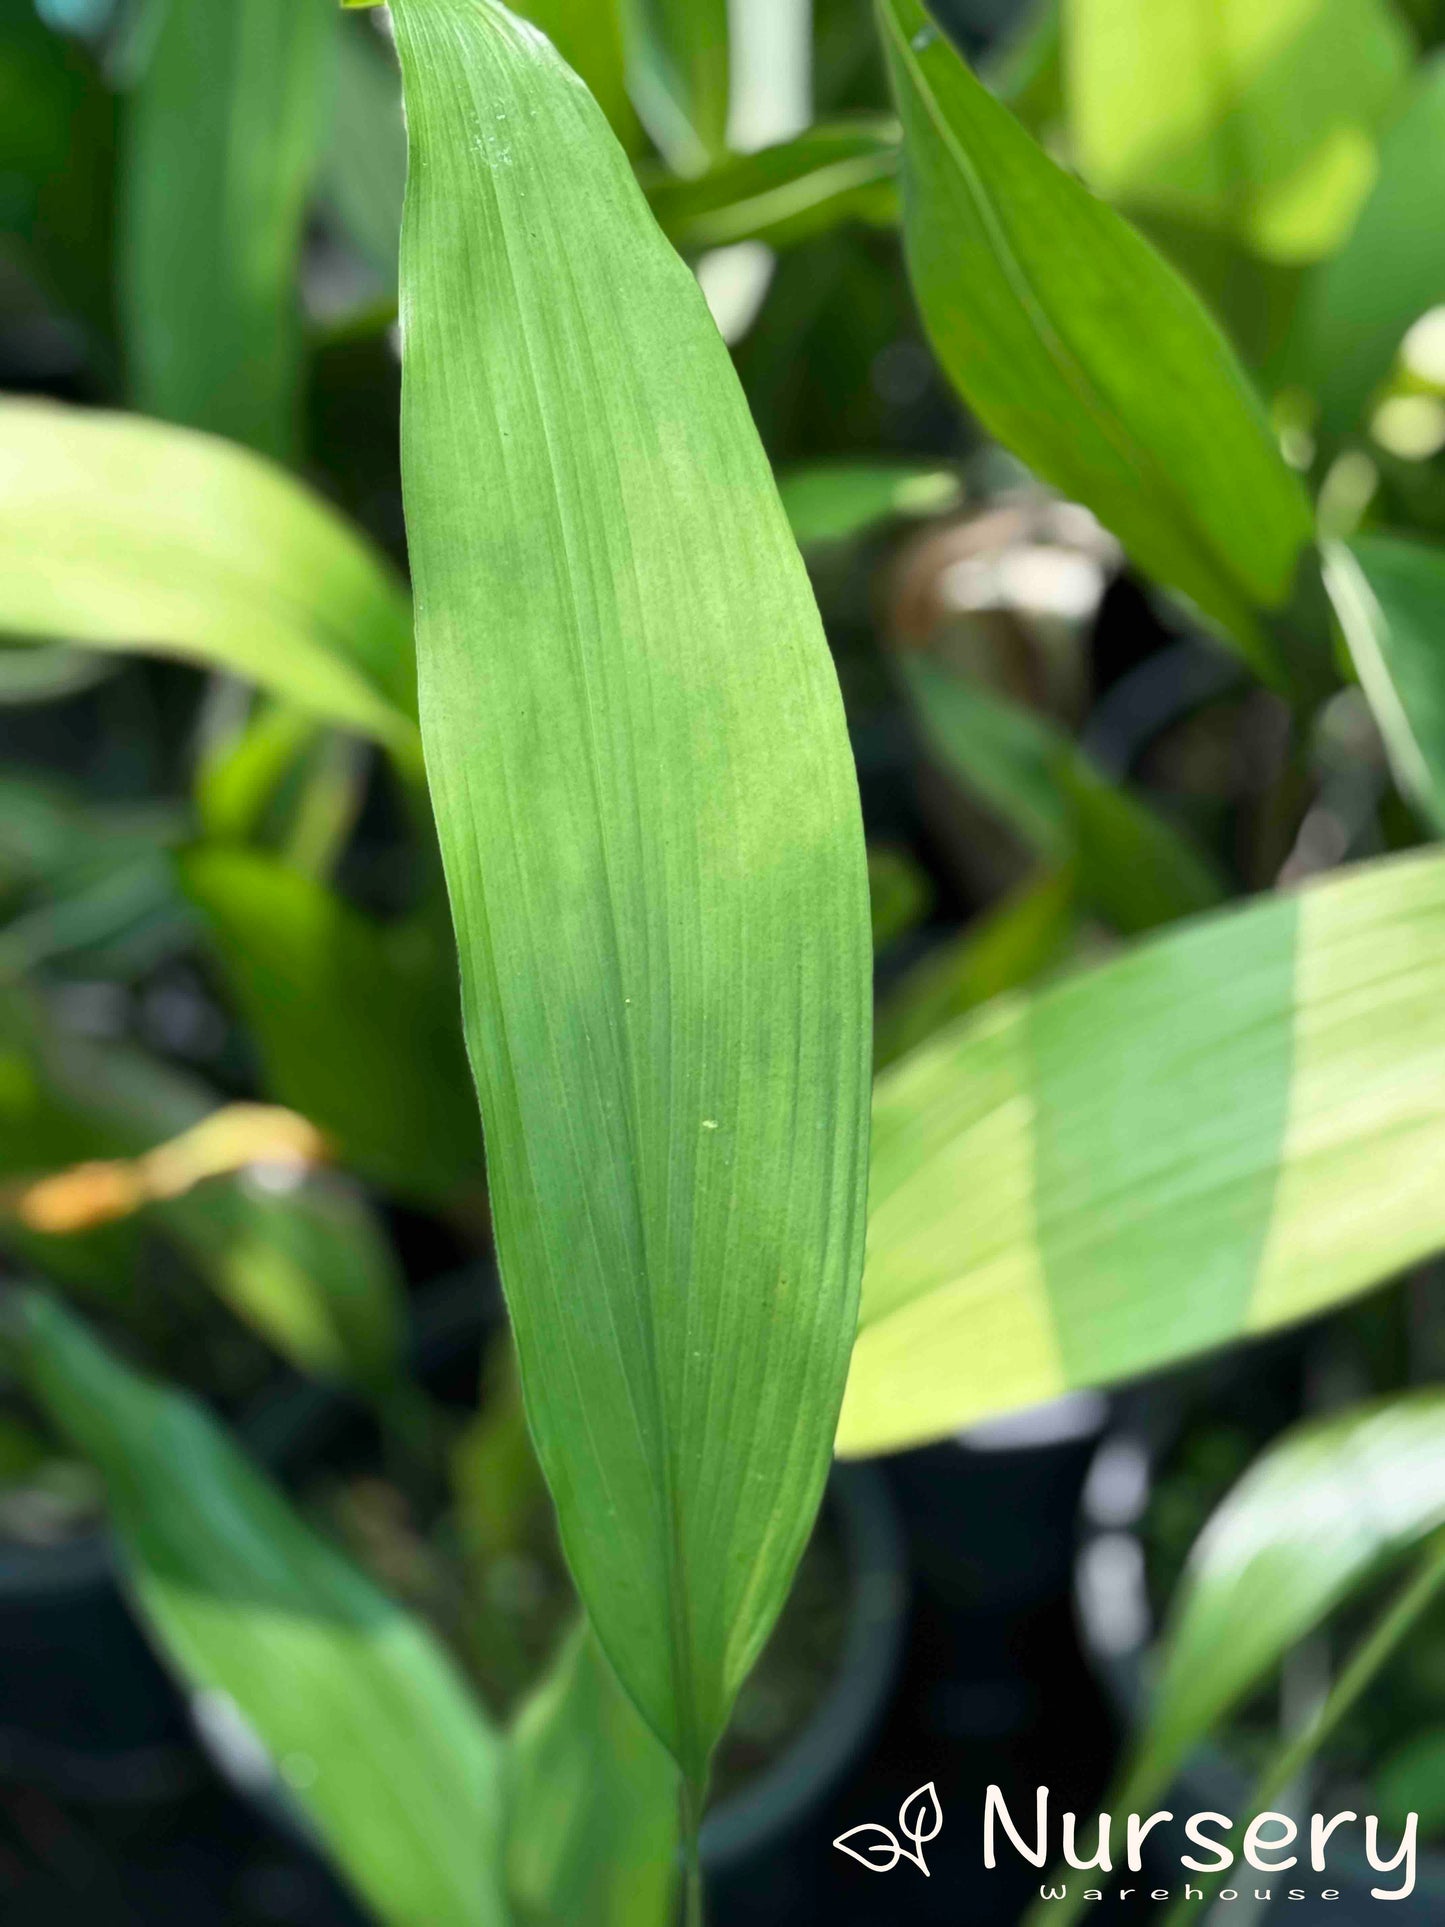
<point>1390,597</point>
<point>1229,1128</point>
<point>592,1829</point>
<point>223,134</point>
<point>1329,1507</point>
<point>371,1728</point>
<point>128,535</point>
<point>1038,299</point>
<point>1257,117</point>
<point>649,819</point>
<point>312,977</point>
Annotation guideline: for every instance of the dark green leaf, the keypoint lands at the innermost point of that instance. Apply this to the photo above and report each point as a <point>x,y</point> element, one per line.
<point>223,135</point>
<point>1132,867</point>
<point>1080,350</point>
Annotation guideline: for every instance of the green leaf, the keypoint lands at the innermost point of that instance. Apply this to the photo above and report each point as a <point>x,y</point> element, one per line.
<point>1082,351</point>
<point>307,1266</point>
<point>1132,866</point>
<point>1324,1511</point>
<point>649,819</point>
<point>369,1724</point>
<point>127,535</point>
<point>363,171</point>
<point>355,1022</point>
<point>589,36</point>
<point>1257,117</point>
<point>838,171</point>
<point>678,70</point>
<point>1228,1129</point>
<point>837,502</point>
<point>1389,595</point>
<point>1359,305</point>
<point>592,1830</point>
<point>223,135</point>
<point>1027,934</point>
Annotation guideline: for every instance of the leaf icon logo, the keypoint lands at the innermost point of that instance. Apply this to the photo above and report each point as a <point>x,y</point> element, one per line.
<point>879,1849</point>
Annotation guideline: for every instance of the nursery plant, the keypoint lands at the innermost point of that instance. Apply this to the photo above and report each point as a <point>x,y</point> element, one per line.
<point>611,727</point>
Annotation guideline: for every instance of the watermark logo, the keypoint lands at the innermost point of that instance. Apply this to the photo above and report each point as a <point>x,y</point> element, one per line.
<point>879,1849</point>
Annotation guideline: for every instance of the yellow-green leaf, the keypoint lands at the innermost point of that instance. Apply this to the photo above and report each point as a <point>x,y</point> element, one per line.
<point>129,535</point>
<point>1255,117</point>
<point>1231,1127</point>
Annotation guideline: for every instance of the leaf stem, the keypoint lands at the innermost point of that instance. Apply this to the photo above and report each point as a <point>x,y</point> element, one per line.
<point>690,1800</point>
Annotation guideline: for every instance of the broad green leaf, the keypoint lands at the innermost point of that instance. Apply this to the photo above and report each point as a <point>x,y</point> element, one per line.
<point>1389,595</point>
<point>836,502</point>
<point>355,1022</point>
<point>363,171</point>
<point>650,826</point>
<point>1258,117</point>
<point>1328,1508</point>
<point>1358,305</point>
<point>223,135</point>
<point>1027,934</point>
<point>592,1814</point>
<point>370,1726</point>
<point>1082,351</point>
<point>1230,1128</point>
<point>129,535</point>
<point>1027,71</point>
<point>838,171</point>
<point>1131,866</point>
<point>678,72</point>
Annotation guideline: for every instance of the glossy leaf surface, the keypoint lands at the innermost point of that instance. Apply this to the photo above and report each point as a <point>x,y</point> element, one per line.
<point>1231,1127</point>
<point>649,820</point>
<point>1325,1510</point>
<point>223,135</point>
<point>1389,594</point>
<point>369,1724</point>
<point>130,535</point>
<point>1039,300</point>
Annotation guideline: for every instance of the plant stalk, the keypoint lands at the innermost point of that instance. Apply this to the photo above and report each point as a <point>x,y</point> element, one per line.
<point>690,1801</point>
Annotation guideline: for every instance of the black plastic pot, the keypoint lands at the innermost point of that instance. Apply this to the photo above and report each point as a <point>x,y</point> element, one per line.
<point>1116,1628</point>
<point>86,1712</point>
<point>307,1425</point>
